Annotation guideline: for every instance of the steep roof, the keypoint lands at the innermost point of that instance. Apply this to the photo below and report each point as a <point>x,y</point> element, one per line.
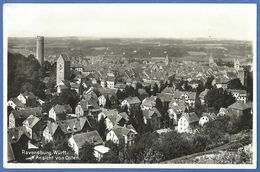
<point>72,125</point>
<point>203,93</point>
<point>124,115</point>
<point>17,102</point>
<point>84,104</point>
<point>240,106</point>
<point>211,116</point>
<point>165,97</point>
<point>241,92</point>
<point>150,112</point>
<point>91,137</point>
<point>32,120</point>
<point>25,113</point>
<point>28,95</point>
<point>10,153</point>
<point>52,127</point>
<point>121,131</point>
<point>60,109</point>
<point>112,115</point>
<point>191,117</point>
<point>133,100</point>
<point>14,134</point>
<point>149,101</point>
<point>169,90</point>
<point>65,57</point>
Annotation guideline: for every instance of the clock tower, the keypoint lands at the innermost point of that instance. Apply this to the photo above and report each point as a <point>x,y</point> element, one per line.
<point>63,68</point>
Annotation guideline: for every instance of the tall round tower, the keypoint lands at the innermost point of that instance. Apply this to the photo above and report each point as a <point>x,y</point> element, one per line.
<point>40,49</point>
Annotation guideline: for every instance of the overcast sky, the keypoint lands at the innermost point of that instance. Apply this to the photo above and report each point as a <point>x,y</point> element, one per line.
<point>231,21</point>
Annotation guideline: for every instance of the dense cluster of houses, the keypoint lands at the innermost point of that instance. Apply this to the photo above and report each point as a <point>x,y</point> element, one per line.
<point>30,128</point>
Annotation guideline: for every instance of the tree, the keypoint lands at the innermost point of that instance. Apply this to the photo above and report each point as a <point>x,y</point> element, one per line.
<point>218,98</point>
<point>208,83</point>
<point>235,84</point>
<point>86,153</point>
<point>102,129</point>
<point>121,95</point>
<point>110,157</point>
<point>108,103</point>
<point>216,129</point>
<point>155,89</point>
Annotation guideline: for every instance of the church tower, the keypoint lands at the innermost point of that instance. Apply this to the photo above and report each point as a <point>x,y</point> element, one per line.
<point>40,49</point>
<point>166,60</point>
<point>63,68</point>
<point>236,64</point>
<point>211,61</point>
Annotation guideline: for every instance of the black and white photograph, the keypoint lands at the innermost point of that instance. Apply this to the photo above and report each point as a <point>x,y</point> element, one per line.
<point>130,85</point>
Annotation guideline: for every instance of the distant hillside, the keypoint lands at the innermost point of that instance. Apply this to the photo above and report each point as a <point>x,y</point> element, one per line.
<point>135,48</point>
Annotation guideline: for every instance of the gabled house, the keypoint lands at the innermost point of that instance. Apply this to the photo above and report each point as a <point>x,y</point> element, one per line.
<point>31,121</point>
<point>78,140</point>
<point>189,97</point>
<point>71,126</point>
<point>59,112</point>
<point>188,122</point>
<point>176,108</point>
<point>27,98</point>
<point>63,85</point>
<point>131,102</point>
<point>110,82</point>
<point>122,135</point>
<point>102,100</point>
<point>202,96</point>
<point>49,131</point>
<point>148,103</point>
<point>108,94</point>
<point>15,103</point>
<point>17,117</point>
<point>112,118</point>
<point>152,117</point>
<point>207,117</point>
<point>240,95</point>
<point>99,151</point>
<point>82,108</point>
<point>240,108</point>
<point>19,138</point>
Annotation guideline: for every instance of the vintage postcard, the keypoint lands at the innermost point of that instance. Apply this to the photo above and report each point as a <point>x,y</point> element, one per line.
<point>130,85</point>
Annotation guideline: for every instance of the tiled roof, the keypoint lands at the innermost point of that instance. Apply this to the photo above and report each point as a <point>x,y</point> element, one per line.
<point>133,100</point>
<point>169,90</point>
<point>149,101</point>
<point>211,116</point>
<point>149,113</point>
<point>72,125</point>
<point>32,120</point>
<point>65,57</point>
<point>165,97</point>
<point>191,117</point>
<point>60,109</point>
<point>28,95</point>
<point>91,137</point>
<point>121,131</point>
<point>124,115</point>
<point>240,106</point>
<point>14,134</point>
<point>204,93</point>
<point>25,113</point>
<point>17,102</point>
<point>52,127</point>
<point>10,153</point>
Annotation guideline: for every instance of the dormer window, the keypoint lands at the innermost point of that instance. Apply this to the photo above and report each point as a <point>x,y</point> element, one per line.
<point>68,128</point>
<point>74,127</point>
<point>14,138</point>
